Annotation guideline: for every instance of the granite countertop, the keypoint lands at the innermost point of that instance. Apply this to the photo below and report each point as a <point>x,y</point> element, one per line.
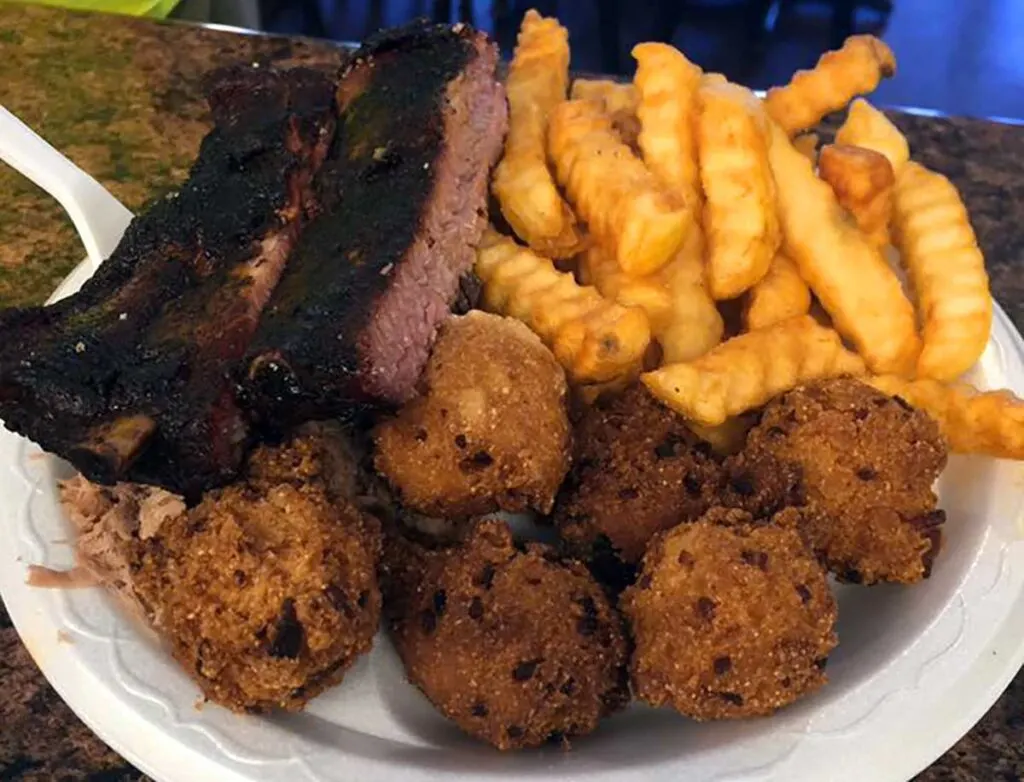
<point>122,99</point>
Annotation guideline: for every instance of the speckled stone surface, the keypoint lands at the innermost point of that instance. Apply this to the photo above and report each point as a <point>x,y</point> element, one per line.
<point>121,98</point>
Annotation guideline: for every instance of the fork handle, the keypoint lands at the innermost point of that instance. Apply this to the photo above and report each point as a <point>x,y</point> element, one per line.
<point>99,218</point>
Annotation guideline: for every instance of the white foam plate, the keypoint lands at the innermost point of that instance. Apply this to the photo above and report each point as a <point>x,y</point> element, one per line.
<point>915,669</point>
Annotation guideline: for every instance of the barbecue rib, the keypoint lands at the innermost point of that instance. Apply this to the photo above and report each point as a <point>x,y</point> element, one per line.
<point>309,259</point>
<point>127,378</point>
<point>404,197</point>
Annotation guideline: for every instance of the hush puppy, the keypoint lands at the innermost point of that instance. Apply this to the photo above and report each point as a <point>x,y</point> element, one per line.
<point>761,485</point>
<point>266,591</point>
<point>730,617</point>
<point>868,463</point>
<point>490,430</point>
<point>637,470</point>
<point>515,646</point>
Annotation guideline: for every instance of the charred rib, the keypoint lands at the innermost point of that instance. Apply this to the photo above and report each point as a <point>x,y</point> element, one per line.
<point>147,338</point>
<point>403,191</point>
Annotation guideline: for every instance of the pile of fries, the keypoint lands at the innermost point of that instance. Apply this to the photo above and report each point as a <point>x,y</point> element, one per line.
<point>637,214</point>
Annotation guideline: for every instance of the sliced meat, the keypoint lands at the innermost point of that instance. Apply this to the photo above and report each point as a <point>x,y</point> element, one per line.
<point>309,259</point>
<point>404,195</point>
<point>136,363</point>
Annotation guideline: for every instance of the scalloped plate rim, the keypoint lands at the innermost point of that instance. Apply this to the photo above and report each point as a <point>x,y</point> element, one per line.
<point>146,743</point>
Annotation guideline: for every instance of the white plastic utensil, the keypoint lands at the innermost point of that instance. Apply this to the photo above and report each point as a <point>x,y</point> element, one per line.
<point>99,218</point>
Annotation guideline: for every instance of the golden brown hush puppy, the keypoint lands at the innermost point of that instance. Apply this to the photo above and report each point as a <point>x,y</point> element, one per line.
<point>515,646</point>
<point>637,470</point>
<point>868,463</point>
<point>490,430</point>
<point>730,617</point>
<point>267,590</point>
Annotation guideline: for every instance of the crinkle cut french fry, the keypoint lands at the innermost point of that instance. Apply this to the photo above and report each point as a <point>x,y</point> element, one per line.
<point>679,309</point>
<point>598,268</point>
<point>695,325</point>
<point>727,438</point>
<point>840,75</point>
<point>741,227</point>
<point>537,81</point>
<point>867,127</point>
<point>614,192</point>
<point>807,145</point>
<point>604,343</point>
<point>594,339</point>
<point>863,182</point>
<point>667,84</point>
<point>946,270</point>
<point>669,87</point>
<point>972,421</point>
<point>619,101</point>
<point>851,279</point>
<point>781,295</point>
<point>747,371</point>
<point>594,393</point>
<point>613,95</point>
<point>712,78</point>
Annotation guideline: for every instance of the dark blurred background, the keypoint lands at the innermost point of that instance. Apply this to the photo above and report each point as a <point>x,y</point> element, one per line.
<point>955,56</point>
